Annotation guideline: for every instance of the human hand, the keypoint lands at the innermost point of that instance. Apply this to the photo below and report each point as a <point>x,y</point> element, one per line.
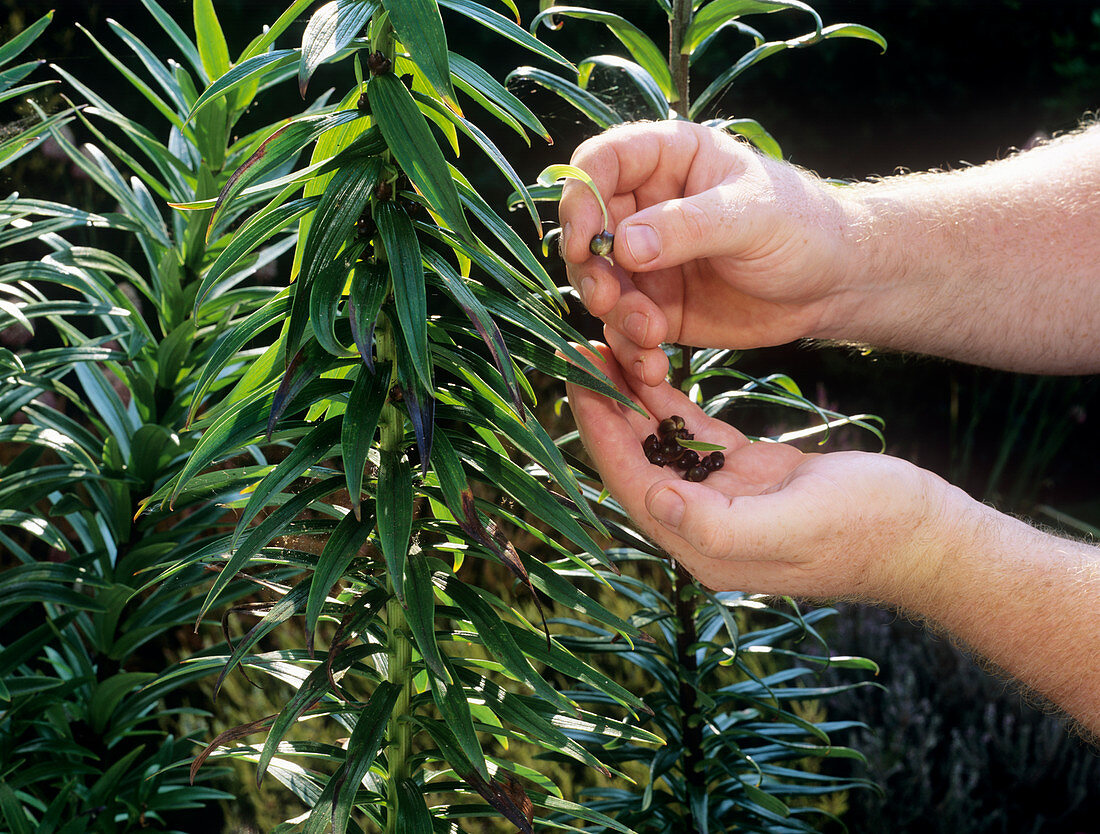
<point>774,519</point>
<point>715,245</point>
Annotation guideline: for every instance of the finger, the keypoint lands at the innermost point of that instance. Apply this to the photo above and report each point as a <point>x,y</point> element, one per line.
<point>649,366</point>
<point>597,283</point>
<point>736,528</point>
<point>676,231</point>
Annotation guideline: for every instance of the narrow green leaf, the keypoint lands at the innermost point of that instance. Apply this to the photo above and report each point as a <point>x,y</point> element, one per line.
<point>754,132</point>
<point>718,13</point>
<point>719,84</point>
<point>484,88</point>
<point>394,502</point>
<point>360,422</point>
<point>650,91</point>
<point>327,293</point>
<point>246,72</point>
<point>265,40</point>
<point>413,815</point>
<point>307,452</point>
<point>178,36</point>
<point>369,287</point>
<point>280,147</point>
<point>415,149</point>
<point>853,30</point>
<point>766,800</point>
<point>309,692</point>
<point>210,39</point>
<point>638,44</point>
<point>420,613</point>
<point>492,151</point>
<point>483,323</point>
<point>421,30</point>
<point>13,47</point>
<point>496,636</point>
<point>407,274</point>
<point>593,108</point>
<point>340,549</point>
<point>503,26</point>
<point>329,30</point>
<point>338,799</point>
<point>232,342</point>
<point>454,707</point>
<point>257,229</point>
<point>342,202</point>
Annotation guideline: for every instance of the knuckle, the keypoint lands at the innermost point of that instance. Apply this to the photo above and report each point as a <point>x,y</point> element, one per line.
<point>712,539</point>
<point>692,220</point>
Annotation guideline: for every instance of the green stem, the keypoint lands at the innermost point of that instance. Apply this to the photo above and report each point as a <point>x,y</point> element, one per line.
<point>678,64</point>
<point>399,641</point>
<point>691,730</point>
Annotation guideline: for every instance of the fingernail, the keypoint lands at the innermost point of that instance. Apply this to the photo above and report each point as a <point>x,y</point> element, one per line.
<point>563,242</point>
<point>637,325</point>
<point>639,369</point>
<point>588,285</point>
<point>667,507</point>
<point>642,242</point>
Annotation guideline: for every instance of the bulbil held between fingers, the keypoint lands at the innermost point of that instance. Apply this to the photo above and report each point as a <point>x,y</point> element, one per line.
<point>602,244</point>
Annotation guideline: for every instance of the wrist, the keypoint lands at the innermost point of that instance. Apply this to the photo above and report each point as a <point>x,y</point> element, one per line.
<point>925,576</point>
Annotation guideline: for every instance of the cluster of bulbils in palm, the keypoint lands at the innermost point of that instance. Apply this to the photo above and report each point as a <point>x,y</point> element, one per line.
<point>665,449</point>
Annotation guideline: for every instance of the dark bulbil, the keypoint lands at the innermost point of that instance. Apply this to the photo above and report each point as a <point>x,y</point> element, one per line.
<point>602,244</point>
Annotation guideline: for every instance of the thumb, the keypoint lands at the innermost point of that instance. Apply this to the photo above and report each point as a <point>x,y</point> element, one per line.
<point>681,230</point>
<point>749,527</point>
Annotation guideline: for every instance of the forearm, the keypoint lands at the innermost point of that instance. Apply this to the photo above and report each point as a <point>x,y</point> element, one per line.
<point>1027,602</point>
<point>997,265</point>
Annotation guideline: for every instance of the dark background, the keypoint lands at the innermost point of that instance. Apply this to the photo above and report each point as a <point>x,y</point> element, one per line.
<point>961,83</point>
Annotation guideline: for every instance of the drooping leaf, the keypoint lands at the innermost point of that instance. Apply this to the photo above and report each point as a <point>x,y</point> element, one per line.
<point>407,275</point>
<point>326,294</point>
<point>370,285</point>
<point>413,815</point>
<point>341,547</point>
<point>644,51</point>
<point>718,13</point>
<point>394,510</point>
<point>248,71</point>
<point>503,26</point>
<point>420,405</point>
<point>420,613</point>
<point>414,147</point>
<point>329,30</point>
<point>592,107</point>
<point>343,201</point>
<point>368,395</point>
<point>648,88</point>
<point>487,90</point>
<point>335,805</point>
<point>483,323</point>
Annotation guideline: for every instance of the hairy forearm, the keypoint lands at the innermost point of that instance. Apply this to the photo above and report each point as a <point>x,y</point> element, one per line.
<point>997,265</point>
<point>1026,601</point>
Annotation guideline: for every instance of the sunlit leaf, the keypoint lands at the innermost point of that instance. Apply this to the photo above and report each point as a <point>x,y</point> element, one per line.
<point>413,146</point>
